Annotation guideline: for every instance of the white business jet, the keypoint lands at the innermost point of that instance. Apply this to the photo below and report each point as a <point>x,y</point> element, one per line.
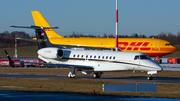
<point>88,61</point>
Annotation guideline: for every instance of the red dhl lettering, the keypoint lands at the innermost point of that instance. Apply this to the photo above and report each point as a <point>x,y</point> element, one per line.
<point>133,45</point>
<point>143,47</point>
<point>123,45</point>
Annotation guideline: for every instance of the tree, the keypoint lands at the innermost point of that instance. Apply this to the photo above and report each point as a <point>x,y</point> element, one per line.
<point>104,36</point>
<point>178,38</point>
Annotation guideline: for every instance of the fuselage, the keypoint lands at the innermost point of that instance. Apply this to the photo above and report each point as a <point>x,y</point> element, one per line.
<point>13,63</point>
<point>102,61</point>
<point>152,47</point>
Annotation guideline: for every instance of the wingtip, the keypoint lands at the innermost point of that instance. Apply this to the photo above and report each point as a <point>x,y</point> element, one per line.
<point>12,26</point>
<point>34,11</point>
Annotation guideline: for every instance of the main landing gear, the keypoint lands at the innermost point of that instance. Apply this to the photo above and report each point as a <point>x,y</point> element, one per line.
<point>149,77</point>
<point>72,73</point>
<point>97,74</point>
<point>158,60</point>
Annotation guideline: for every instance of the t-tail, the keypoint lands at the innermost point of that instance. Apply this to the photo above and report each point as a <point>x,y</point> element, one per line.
<point>42,39</point>
<point>40,21</point>
<point>11,63</point>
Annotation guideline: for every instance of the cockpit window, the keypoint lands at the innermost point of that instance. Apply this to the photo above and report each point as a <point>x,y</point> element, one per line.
<point>136,58</point>
<point>144,57</point>
<point>169,44</point>
<point>141,57</point>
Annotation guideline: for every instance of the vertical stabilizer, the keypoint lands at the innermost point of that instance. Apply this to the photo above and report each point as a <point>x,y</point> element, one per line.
<point>40,21</point>
<point>11,63</point>
<point>9,58</point>
<point>42,39</point>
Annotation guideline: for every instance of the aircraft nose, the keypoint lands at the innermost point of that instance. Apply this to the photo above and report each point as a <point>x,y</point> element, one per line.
<point>159,68</point>
<point>174,48</point>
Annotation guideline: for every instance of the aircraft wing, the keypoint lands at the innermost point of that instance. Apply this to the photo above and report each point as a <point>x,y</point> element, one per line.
<point>61,45</point>
<point>69,46</point>
<point>63,65</point>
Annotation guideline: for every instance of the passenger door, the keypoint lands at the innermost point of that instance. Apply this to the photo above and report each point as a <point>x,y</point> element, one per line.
<point>137,58</point>
<point>156,45</point>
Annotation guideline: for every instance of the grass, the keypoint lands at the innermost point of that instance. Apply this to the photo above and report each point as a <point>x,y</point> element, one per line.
<point>21,51</point>
<point>84,85</point>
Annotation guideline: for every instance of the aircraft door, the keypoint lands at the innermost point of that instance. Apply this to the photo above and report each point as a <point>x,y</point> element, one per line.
<point>156,45</point>
<point>137,59</point>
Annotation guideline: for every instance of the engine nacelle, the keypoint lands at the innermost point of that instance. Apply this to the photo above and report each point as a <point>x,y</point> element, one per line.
<point>51,53</point>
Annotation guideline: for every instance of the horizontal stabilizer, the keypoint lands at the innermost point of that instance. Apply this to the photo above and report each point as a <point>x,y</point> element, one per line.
<point>34,27</point>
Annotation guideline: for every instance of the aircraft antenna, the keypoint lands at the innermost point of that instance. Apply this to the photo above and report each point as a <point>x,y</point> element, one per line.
<point>117,25</point>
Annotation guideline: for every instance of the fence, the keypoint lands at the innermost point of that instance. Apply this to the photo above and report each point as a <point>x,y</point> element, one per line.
<point>129,87</point>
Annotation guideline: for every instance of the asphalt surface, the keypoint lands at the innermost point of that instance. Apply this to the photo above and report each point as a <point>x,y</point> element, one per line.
<point>103,78</point>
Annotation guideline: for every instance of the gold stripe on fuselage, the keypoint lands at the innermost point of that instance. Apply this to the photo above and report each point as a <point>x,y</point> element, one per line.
<point>145,45</point>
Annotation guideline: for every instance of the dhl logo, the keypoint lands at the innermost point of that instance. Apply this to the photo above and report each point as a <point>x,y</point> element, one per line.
<point>133,45</point>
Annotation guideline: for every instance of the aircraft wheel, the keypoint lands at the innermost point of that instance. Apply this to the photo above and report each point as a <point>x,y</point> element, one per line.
<point>70,75</point>
<point>149,77</point>
<point>96,75</point>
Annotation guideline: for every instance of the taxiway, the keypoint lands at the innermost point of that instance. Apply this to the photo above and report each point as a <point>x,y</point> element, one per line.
<point>103,78</point>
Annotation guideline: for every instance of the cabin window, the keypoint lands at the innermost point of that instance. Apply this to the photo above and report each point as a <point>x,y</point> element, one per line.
<point>81,56</point>
<point>136,57</point>
<point>114,57</point>
<point>94,56</point>
<point>99,57</point>
<point>91,56</point>
<point>74,56</point>
<point>110,57</point>
<point>106,57</point>
<point>86,56</point>
<point>77,55</point>
<point>103,57</point>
